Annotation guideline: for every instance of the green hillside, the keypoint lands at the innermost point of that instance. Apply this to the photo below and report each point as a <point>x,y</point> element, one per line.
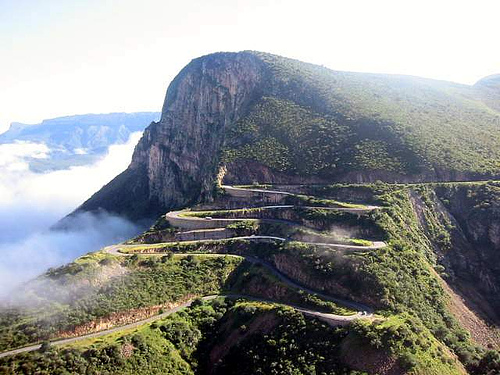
<point>228,337</point>
<point>251,117</point>
<point>415,328</point>
<point>308,222</point>
<point>315,121</point>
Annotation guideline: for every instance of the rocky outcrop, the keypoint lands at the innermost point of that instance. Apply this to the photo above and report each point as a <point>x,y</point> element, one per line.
<point>470,214</point>
<point>176,161</point>
<point>270,119</point>
<point>121,318</point>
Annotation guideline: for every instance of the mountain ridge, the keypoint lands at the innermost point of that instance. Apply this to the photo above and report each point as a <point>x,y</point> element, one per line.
<point>415,258</point>
<point>251,116</point>
<point>77,139</point>
<point>85,119</point>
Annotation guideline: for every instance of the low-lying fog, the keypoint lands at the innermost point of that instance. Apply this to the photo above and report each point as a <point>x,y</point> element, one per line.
<point>30,203</point>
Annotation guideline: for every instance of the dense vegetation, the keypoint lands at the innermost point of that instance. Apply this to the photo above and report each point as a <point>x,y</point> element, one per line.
<point>408,339</point>
<point>327,123</point>
<point>405,274</point>
<point>224,337</point>
<point>314,218</point>
<point>63,299</point>
<point>63,302</point>
<point>462,221</point>
<point>417,334</point>
<point>308,122</point>
<point>401,277</point>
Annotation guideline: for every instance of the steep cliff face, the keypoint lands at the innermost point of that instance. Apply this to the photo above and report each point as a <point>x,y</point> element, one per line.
<point>269,119</point>
<point>475,257</point>
<point>463,224</point>
<point>176,161</point>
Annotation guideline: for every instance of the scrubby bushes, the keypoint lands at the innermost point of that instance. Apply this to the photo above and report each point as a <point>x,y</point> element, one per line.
<point>406,338</point>
<point>149,281</point>
<point>331,123</point>
<point>244,227</point>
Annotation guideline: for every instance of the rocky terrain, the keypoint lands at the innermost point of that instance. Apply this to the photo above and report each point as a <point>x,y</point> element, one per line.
<point>255,117</point>
<point>363,236</point>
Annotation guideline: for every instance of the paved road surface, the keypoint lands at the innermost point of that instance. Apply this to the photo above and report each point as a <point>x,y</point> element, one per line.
<point>104,332</point>
<point>362,309</point>
<point>333,319</point>
<point>329,318</point>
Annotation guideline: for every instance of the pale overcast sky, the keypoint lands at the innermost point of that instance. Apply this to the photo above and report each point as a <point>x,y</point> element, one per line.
<point>61,57</point>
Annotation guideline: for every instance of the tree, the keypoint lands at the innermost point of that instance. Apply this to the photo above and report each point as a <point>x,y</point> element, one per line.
<point>45,346</point>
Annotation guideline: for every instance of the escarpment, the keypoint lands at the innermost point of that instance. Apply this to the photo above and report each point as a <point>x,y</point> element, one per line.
<point>462,223</point>
<point>269,119</point>
<point>474,260</point>
<point>176,161</point>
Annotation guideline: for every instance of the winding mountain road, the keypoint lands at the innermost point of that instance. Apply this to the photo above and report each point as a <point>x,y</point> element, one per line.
<point>177,217</point>
<point>199,222</point>
<point>328,318</point>
<point>104,332</point>
<point>376,245</point>
<point>363,310</point>
<point>241,192</point>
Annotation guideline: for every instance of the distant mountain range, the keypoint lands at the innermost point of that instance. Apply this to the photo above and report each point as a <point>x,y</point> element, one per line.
<point>77,140</point>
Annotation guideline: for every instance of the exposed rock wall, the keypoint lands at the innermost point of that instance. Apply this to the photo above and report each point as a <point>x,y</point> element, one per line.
<point>472,259</point>
<point>176,161</point>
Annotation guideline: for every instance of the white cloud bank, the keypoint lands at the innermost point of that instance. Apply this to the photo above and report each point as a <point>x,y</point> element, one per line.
<point>30,203</point>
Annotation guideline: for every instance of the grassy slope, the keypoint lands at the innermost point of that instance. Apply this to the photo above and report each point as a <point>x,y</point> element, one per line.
<point>403,277</point>
<point>315,121</point>
<point>246,338</point>
<point>113,291</point>
<point>88,290</point>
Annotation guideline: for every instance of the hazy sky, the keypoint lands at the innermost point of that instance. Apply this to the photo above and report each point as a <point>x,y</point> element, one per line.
<point>31,202</point>
<point>60,57</point>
